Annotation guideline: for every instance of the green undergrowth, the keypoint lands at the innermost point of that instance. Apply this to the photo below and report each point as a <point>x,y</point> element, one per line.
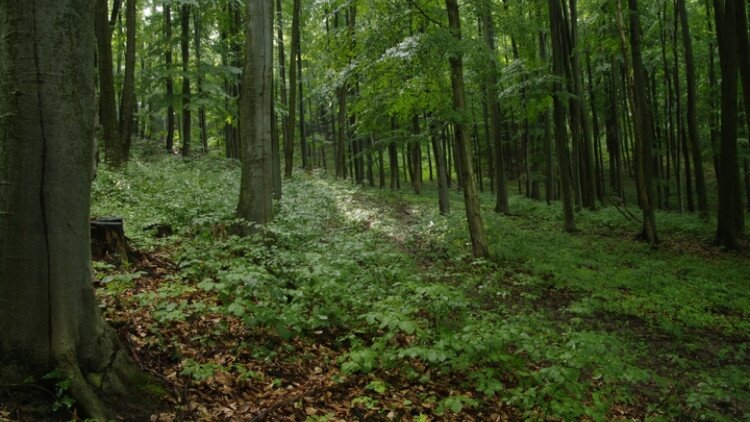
<point>592,325</point>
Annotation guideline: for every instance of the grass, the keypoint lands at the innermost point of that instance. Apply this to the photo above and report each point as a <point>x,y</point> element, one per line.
<point>377,292</point>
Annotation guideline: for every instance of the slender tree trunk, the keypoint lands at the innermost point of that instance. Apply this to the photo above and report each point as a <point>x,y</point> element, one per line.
<point>198,23</point>
<point>169,142</point>
<point>113,151</point>
<point>185,48</point>
<point>442,176</point>
<point>493,108</point>
<point>561,132</point>
<point>302,134</point>
<point>127,101</point>
<point>285,130</point>
<point>643,124</point>
<point>471,199</point>
<point>692,113</point>
<point>586,159</point>
<point>49,315</point>
<point>256,188</point>
<point>415,155</point>
<point>289,146</point>
<point>341,149</point>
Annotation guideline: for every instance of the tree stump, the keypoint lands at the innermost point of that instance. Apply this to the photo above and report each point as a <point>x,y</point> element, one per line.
<point>108,241</point>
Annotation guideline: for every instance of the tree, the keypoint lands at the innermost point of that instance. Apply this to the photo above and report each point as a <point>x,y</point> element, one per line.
<point>49,315</point>
<point>727,15</point>
<point>473,215</point>
<point>169,142</point>
<point>127,101</point>
<point>643,124</point>
<point>692,113</point>
<point>185,135</point>
<point>488,33</point>
<point>256,100</point>
<point>292,119</point>
<point>561,132</point>
<point>114,152</point>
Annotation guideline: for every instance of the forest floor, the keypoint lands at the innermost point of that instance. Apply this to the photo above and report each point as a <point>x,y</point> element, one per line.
<point>362,304</point>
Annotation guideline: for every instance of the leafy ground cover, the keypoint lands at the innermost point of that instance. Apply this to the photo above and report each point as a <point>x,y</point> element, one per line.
<point>360,304</point>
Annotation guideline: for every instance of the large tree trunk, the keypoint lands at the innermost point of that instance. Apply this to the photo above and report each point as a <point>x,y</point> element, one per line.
<point>256,189</point>
<point>471,199</point>
<point>185,135</point>
<point>726,28</point>
<point>743,45</point>
<point>48,312</point>
<point>113,151</point>
<point>127,101</point>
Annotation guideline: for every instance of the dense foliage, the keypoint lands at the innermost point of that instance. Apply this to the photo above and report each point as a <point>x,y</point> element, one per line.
<point>553,326</point>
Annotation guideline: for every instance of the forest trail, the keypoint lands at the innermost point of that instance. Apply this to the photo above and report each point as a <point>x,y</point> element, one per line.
<point>367,305</point>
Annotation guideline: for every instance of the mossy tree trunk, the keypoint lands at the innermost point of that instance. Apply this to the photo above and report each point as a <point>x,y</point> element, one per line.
<point>48,312</point>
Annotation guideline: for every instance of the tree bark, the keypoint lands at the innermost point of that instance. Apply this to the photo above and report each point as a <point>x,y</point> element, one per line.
<point>289,146</point>
<point>127,101</point>
<point>185,135</point>
<point>198,31</point>
<point>442,177</point>
<point>561,132</point>
<point>256,188</point>
<point>726,12</point>
<point>169,141</point>
<point>493,108</point>
<point>113,151</point>
<point>692,113</point>
<point>49,315</point>
<point>471,199</point>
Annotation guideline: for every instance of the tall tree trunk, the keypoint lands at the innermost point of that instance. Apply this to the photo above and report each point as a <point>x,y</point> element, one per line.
<point>113,151</point>
<point>127,101</point>
<point>644,162</point>
<point>442,176</point>
<point>561,132</point>
<point>415,155</point>
<point>169,142</point>
<point>471,199</point>
<point>256,186</point>
<point>726,13</point>
<point>49,315</point>
<point>493,108</point>
<point>185,48</point>
<point>744,68</point>
<point>286,135</point>
<point>306,164</point>
<point>289,147</point>
<point>692,113</point>
<point>198,30</point>
<point>580,110</point>
<point>341,140</point>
